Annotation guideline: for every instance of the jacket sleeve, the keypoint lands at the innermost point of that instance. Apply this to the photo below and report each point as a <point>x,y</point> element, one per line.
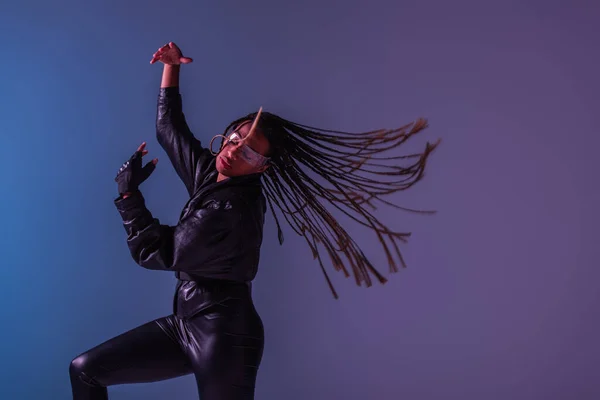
<point>199,243</point>
<point>186,153</point>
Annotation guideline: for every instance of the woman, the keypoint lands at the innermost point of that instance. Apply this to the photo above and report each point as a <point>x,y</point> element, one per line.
<point>215,332</point>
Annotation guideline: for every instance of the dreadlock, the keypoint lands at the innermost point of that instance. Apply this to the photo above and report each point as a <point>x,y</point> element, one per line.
<point>354,174</point>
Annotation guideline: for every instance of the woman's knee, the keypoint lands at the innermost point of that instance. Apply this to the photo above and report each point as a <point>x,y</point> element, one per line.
<point>79,369</point>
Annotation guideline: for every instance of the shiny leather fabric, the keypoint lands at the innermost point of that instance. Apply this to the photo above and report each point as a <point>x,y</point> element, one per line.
<point>220,229</point>
<point>214,251</point>
<point>221,346</point>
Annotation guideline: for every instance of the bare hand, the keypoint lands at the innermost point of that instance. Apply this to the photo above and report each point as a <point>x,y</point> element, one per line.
<point>170,54</point>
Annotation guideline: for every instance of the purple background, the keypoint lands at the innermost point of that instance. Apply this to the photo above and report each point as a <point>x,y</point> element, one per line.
<point>500,300</point>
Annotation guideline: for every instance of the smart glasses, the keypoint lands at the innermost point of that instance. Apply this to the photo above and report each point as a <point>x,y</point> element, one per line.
<point>246,152</point>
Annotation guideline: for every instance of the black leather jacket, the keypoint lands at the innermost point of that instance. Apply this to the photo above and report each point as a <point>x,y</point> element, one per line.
<point>216,243</point>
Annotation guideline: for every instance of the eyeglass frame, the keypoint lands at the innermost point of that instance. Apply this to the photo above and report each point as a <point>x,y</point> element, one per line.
<point>248,154</point>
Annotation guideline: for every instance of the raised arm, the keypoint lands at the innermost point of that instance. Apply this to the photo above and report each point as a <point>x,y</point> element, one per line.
<point>186,153</point>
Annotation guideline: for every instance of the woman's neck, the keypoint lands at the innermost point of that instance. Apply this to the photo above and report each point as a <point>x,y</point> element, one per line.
<point>221,177</point>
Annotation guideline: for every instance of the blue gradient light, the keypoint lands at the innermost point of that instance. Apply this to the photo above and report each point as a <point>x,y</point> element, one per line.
<point>500,297</point>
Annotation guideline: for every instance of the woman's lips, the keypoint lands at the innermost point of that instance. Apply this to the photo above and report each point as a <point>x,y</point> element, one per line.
<point>225,163</point>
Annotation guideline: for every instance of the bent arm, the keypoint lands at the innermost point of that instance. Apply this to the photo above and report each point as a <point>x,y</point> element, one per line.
<point>198,243</point>
<point>186,153</point>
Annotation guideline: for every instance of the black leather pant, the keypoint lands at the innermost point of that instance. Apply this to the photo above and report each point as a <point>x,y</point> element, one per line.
<point>221,345</point>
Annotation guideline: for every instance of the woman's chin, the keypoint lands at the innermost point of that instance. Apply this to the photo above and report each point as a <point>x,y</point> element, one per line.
<point>225,172</point>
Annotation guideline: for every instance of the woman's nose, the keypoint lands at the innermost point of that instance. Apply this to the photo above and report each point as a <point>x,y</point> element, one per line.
<point>234,148</point>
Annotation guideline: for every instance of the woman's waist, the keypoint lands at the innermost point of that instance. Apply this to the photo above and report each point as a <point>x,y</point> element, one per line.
<point>193,296</point>
<point>211,285</point>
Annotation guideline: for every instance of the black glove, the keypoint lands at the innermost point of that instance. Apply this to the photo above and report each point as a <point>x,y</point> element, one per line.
<point>132,174</point>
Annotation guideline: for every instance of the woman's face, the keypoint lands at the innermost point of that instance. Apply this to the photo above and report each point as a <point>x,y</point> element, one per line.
<point>243,155</point>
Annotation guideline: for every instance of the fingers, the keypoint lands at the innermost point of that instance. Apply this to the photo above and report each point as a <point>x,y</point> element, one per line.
<point>151,165</point>
<point>165,51</point>
<point>156,56</point>
<point>142,149</point>
<point>148,169</point>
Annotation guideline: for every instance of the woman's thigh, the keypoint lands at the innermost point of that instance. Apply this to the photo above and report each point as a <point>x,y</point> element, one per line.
<point>147,353</point>
<point>226,351</point>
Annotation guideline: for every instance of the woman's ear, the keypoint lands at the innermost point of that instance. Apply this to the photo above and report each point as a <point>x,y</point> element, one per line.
<point>264,168</point>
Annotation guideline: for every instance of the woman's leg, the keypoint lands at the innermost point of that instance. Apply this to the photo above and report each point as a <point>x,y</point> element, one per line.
<point>226,351</point>
<point>147,353</point>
